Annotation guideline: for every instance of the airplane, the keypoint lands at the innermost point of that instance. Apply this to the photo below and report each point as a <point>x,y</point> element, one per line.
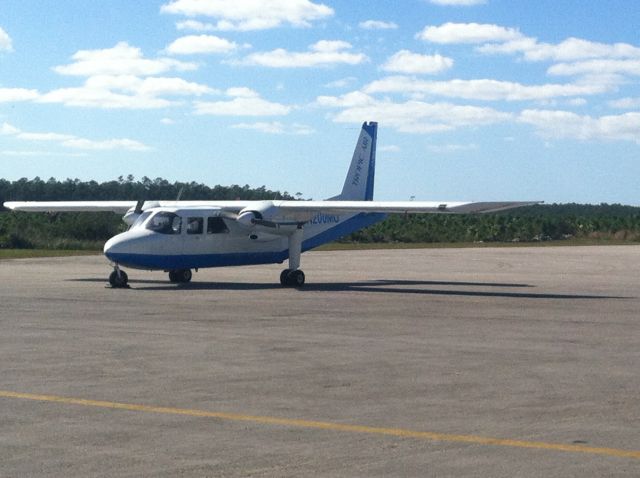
<point>178,236</point>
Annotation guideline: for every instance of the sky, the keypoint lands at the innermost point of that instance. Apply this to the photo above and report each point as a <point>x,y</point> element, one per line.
<point>475,99</point>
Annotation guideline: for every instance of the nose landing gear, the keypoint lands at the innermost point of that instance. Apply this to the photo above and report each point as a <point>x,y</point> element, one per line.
<point>118,278</point>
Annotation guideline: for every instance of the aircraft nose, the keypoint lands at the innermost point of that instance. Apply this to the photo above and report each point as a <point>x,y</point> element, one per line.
<point>113,246</point>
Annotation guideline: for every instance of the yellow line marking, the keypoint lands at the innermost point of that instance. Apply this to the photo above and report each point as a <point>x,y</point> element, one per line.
<point>288,422</point>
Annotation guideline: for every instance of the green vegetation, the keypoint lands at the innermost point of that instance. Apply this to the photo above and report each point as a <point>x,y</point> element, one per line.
<point>539,223</point>
<point>569,223</point>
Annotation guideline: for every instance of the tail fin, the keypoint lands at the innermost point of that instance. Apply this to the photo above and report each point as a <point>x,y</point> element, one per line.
<point>358,185</point>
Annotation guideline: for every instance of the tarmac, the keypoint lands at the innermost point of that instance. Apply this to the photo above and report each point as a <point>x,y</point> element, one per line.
<point>490,362</point>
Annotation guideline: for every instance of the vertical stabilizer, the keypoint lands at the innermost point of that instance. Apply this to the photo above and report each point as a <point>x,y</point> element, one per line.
<point>358,185</point>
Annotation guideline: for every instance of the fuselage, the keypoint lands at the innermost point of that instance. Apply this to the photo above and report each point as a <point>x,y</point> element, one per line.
<point>192,238</point>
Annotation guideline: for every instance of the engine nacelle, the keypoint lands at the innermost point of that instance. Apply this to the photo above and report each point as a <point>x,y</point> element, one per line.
<point>131,216</point>
<point>264,211</point>
<point>248,218</point>
<point>263,219</point>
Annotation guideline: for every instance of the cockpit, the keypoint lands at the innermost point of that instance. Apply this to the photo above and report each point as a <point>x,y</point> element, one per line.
<point>165,222</point>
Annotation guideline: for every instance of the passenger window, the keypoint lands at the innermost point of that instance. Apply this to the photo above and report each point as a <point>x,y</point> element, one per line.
<point>216,225</point>
<point>194,225</point>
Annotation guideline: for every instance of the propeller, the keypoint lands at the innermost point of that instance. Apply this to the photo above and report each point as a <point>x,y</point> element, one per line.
<point>139,206</point>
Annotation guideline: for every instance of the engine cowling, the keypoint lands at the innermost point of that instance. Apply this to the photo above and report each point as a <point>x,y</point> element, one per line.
<point>262,212</point>
<point>264,219</point>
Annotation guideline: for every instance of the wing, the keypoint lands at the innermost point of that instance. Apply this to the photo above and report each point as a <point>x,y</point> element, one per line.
<point>401,207</point>
<point>116,206</point>
<point>70,206</point>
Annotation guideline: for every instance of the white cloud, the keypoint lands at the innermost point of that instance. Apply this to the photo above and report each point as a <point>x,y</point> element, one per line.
<point>193,44</point>
<point>322,53</point>
<point>458,3</point>
<point>195,26</point>
<point>554,124</point>
<point>109,144</point>
<point>483,89</point>
<point>249,15</point>
<point>5,41</point>
<point>167,121</point>
<point>9,130</point>
<point>8,95</point>
<point>452,148</point>
<point>122,59</point>
<point>125,92</point>
<point>407,62</point>
<point>569,50</point>
<point>577,102</point>
<point>389,148</point>
<point>102,98</point>
<point>276,127</point>
<point>468,33</point>
<point>40,154</point>
<point>377,25</point>
<point>245,102</point>
<point>148,87</point>
<point>341,83</point>
<point>597,67</point>
<point>74,142</point>
<point>410,116</point>
<point>578,49</point>
<point>625,103</point>
<point>242,92</point>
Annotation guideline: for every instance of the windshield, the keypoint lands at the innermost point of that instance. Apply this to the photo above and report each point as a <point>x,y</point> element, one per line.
<point>165,223</point>
<point>141,218</point>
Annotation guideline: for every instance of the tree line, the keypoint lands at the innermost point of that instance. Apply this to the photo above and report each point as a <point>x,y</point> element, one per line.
<point>91,230</point>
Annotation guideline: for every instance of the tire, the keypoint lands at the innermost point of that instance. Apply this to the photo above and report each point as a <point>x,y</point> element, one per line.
<point>118,280</point>
<point>283,277</point>
<point>184,275</point>
<point>172,276</point>
<point>296,278</point>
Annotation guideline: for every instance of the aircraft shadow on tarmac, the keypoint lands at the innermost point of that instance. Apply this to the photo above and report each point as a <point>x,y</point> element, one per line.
<point>390,286</point>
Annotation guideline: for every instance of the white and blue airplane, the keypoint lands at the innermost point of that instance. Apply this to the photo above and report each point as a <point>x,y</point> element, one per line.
<point>178,236</point>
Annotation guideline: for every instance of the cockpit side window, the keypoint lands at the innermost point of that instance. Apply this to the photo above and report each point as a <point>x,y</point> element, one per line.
<point>216,225</point>
<point>194,225</point>
<point>165,223</point>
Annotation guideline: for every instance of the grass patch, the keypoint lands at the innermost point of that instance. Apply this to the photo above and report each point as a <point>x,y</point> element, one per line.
<point>31,253</point>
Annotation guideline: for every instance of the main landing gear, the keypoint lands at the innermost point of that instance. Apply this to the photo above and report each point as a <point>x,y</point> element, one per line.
<point>118,278</point>
<point>293,276</point>
<point>180,276</point>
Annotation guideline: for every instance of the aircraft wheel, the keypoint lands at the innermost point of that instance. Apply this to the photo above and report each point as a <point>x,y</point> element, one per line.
<point>283,277</point>
<point>180,276</point>
<point>295,278</point>
<point>184,275</point>
<point>118,280</point>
